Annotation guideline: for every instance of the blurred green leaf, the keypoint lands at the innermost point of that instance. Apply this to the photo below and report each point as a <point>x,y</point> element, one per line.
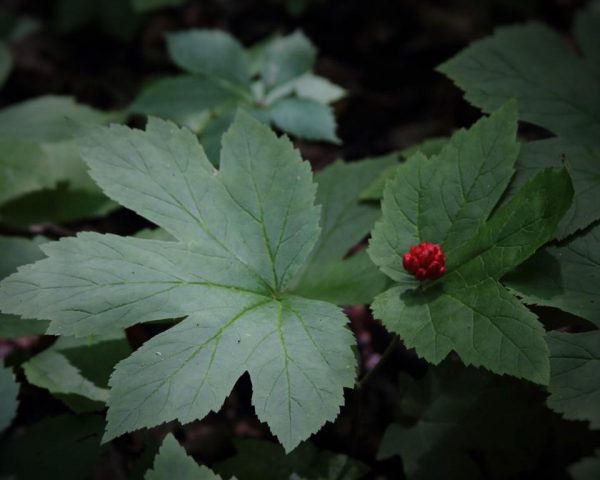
<point>9,389</point>
<point>64,447</point>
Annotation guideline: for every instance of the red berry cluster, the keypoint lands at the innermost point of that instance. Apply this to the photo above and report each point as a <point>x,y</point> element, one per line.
<point>425,261</point>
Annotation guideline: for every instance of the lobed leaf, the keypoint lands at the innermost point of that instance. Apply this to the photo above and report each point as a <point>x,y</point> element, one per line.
<point>242,235</point>
<point>467,310</point>
<point>533,64</point>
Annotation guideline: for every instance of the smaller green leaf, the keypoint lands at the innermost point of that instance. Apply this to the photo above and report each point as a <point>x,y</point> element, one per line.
<point>286,58</point>
<point>319,89</point>
<point>181,97</point>
<point>52,371</point>
<point>574,383</point>
<point>9,390</point>
<point>64,447</point>
<point>212,53</point>
<point>172,462</point>
<point>304,118</point>
<point>564,277</point>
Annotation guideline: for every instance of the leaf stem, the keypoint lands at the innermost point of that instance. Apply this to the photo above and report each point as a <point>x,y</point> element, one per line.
<point>386,354</point>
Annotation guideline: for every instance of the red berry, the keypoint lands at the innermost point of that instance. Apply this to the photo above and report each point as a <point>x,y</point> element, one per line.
<point>425,261</point>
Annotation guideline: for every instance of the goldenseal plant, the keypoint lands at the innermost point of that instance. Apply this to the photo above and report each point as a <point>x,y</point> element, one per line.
<point>243,234</point>
<point>448,199</point>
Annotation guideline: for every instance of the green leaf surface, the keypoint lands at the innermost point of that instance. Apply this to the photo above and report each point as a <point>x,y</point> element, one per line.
<point>445,198</point>
<point>18,251</point>
<point>47,119</point>
<point>565,277</point>
<point>65,447</point>
<point>287,58</point>
<point>77,370</point>
<point>172,462</point>
<point>212,53</point>
<point>304,118</point>
<point>345,221</point>
<point>319,89</point>
<point>38,158</point>
<point>354,281</point>
<point>583,164</point>
<point>533,64</point>
<point>181,97</point>
<point>428,148</point>
<point>467,310</point>
<point>53,371</point>
<point>574,383</point>
<point>244,232</point>
<point>9,390</point>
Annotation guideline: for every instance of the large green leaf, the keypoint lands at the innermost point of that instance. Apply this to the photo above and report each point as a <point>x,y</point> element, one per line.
<point>212,53</point>
<point>173,462</point>
<point>65,447</point>
<point>583,164</point>
<point>468,310</point>
<point>574,382</point>
<point>564,277</point>
<point>554,87</point>
<point>244,233</point>
<point>9,389</point>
